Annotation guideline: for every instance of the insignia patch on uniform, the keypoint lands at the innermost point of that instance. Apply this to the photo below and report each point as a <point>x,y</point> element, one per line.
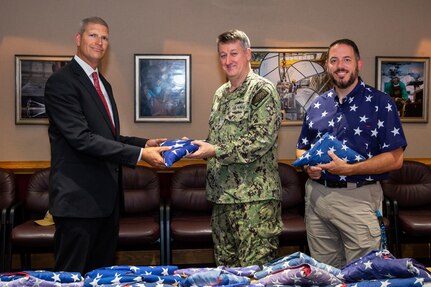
<point>261,94</point>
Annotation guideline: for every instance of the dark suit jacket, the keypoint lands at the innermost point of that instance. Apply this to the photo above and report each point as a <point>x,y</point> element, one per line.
<point>86,156</point>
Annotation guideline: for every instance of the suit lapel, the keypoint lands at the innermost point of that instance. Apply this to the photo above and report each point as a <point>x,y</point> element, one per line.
<point>88,85</point>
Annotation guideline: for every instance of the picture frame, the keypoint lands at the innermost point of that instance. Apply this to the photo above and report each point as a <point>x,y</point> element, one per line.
<point>297,73</point>
<point>31,74</point>
<point>405,79</point>
<point>163,88</point>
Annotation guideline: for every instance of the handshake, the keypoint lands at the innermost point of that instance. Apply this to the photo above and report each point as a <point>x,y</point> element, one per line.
<point>163,153</point>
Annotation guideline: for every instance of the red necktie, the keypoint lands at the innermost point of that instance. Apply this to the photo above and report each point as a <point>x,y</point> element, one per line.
<point>102,97</point>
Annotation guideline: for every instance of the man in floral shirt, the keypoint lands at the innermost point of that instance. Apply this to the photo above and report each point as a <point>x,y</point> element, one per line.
<point>342,198</point>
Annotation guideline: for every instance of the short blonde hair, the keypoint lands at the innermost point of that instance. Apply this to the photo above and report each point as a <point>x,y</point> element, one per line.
<point>93,20</point>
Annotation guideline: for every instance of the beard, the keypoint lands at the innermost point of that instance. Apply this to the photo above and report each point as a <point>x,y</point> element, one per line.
<point>340,83</point>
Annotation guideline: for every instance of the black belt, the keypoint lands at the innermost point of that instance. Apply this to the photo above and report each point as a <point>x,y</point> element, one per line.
<point>343,184</point>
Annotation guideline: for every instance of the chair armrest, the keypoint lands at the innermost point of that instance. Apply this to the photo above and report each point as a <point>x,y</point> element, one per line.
<point>168,221</point>
<point>168,234</point>
<point>162,220</point>
<point>395,205</point>
<point>16,214</point>
<point>387,210</point>
<point>4,213</point>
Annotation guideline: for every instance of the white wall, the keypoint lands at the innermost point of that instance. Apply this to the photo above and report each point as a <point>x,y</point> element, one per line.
<point>380,28</point>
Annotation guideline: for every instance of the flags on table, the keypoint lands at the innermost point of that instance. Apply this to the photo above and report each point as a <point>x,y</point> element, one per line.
<point>378,268</point>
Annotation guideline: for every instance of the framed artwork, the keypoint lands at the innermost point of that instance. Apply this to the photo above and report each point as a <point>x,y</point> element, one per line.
<point>31,74</point>
<point>297,73</point>
<point>405,79</point>
<point>162,88</point>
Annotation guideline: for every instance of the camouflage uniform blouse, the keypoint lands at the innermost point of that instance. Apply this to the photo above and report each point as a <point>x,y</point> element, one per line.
<point>244,130</point>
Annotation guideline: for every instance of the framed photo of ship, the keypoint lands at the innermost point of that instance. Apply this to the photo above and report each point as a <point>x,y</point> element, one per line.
<point>31,74</point>
<point>405,79</point>
<point>162,88</point>
<point>297,73</point>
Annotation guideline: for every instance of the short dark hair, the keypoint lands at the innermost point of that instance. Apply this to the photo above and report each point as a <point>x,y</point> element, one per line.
<point>347,42</point>
<point>93,20</point>
<point>234,35</point>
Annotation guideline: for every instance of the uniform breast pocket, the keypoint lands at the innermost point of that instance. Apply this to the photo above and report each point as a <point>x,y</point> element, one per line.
<point>236,117</point>
<point>236,113</point>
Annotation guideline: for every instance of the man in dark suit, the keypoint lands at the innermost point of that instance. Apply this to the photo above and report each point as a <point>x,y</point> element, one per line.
<point>87,152</point>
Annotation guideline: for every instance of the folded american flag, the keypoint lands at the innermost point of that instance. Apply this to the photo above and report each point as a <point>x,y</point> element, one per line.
<point>127,275</point>
<point>394,282</point>
<point>292,260</point>
<point>318,153</point>
<point>215,278</point>
<point>301,275</point>
<point>240,271</point>
<point>42,278</point>
<point>381,264</point>
<point>179,149</point>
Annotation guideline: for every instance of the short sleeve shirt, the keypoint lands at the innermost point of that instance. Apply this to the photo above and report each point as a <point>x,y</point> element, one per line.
<point>367,121</point>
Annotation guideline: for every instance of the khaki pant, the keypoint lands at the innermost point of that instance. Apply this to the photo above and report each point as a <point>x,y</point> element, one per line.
<point>246,234</point>
<point>341,222</point>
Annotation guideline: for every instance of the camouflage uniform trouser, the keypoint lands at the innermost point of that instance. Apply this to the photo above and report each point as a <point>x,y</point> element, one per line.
<point>247,233</point>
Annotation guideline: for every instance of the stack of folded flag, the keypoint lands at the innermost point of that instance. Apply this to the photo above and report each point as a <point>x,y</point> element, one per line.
<point>376,269</point>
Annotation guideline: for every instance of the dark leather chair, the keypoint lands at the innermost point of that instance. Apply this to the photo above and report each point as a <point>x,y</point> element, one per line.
<point>188,212</point>
<point>26,236</point>
<point>142,222</point>
<point>7,198</point>
<point>409,190</point>
<point>294,232</point>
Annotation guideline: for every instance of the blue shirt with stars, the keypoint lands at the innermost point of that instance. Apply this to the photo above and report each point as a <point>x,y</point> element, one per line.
<point>367,121</point>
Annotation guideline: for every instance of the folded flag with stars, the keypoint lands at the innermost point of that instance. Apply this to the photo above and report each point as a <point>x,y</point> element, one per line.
<point>215,277</point>
<point>318,153</point>
<point>128,275</point>
<point>294,259</point>
<point>301,275</point>
<point>42,278</point>
<point>381,264</point>
<point>240,271</point>
<point>179,149</point>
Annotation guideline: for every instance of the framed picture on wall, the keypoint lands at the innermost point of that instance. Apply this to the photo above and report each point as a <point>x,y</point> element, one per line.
<point>405,79</point>
<point>297,73</point>
<point>31,74</point>
<point>162,88</point>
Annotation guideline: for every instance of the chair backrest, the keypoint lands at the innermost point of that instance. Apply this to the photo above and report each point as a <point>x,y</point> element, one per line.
<point>141,190</point>
<point>188,190</point>
<point>292,188</point>
<point>7,188</point>
<point>410,186</point>
<point>37,198</point>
